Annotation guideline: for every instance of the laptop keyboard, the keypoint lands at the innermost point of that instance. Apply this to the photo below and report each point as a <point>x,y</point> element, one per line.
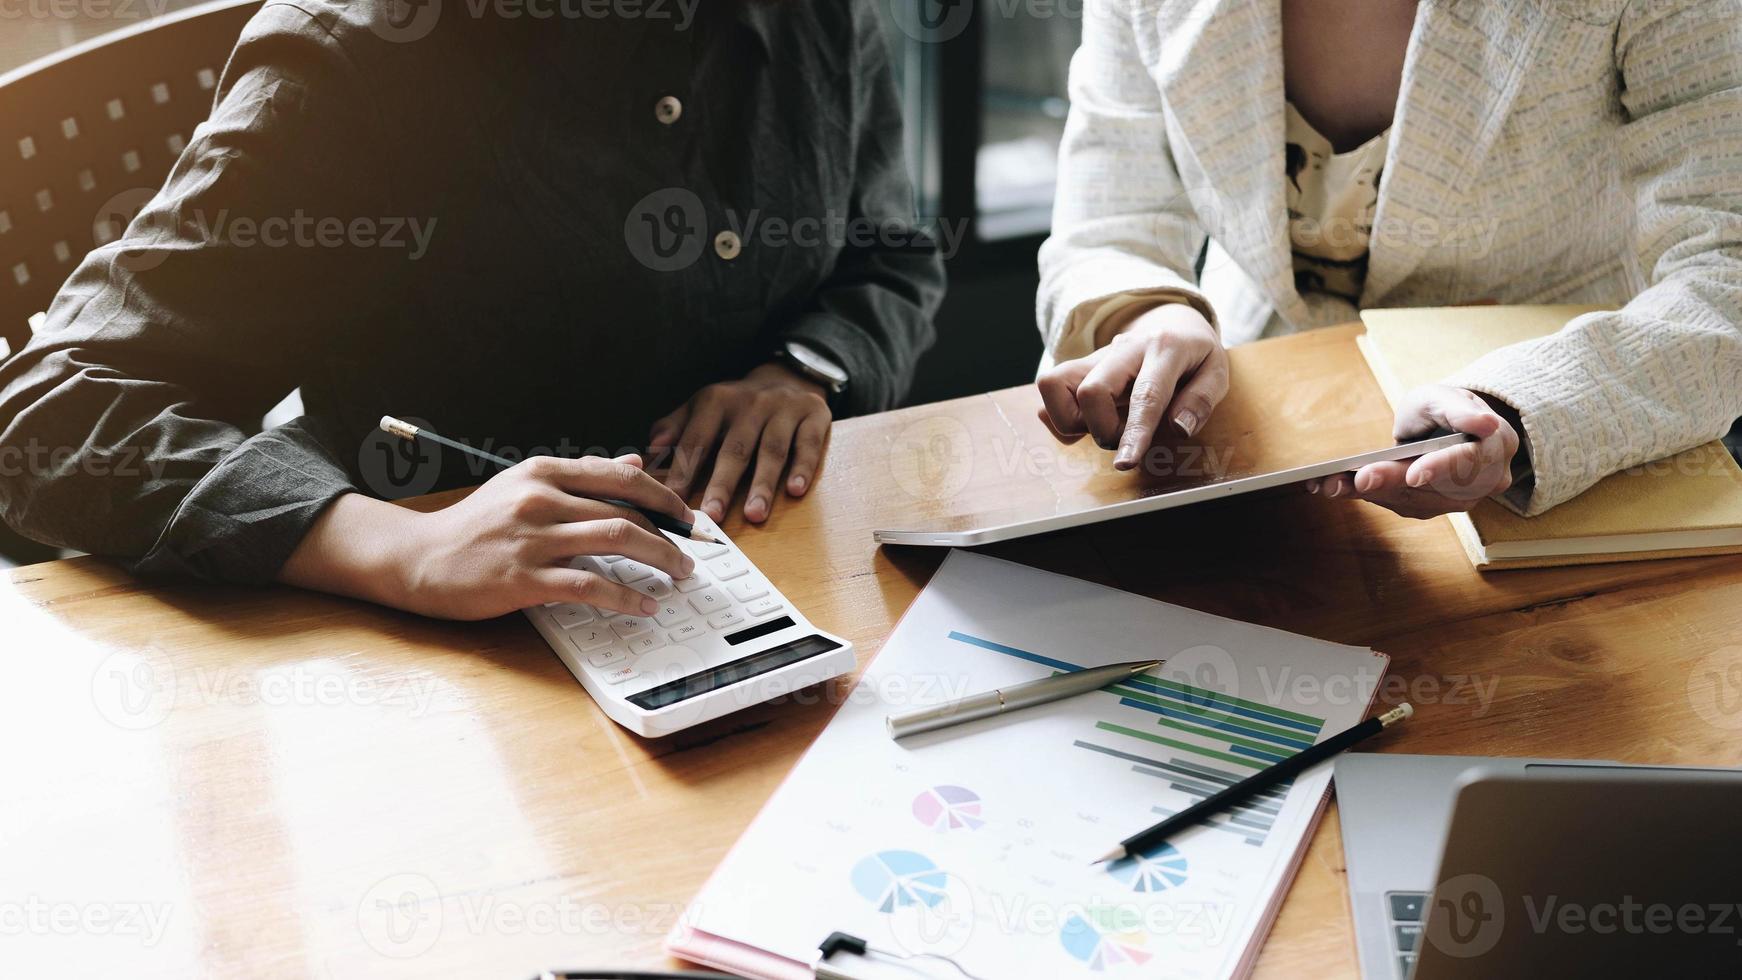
<point>1405,912</point>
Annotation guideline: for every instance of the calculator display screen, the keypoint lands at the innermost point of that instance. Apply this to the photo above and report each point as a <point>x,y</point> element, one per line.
<point>726,675</point>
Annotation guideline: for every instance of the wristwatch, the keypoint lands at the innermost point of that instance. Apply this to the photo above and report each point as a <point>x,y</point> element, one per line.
<point>813,365</point>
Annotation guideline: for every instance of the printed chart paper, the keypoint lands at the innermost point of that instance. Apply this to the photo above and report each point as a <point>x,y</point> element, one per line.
<point>975,842</point>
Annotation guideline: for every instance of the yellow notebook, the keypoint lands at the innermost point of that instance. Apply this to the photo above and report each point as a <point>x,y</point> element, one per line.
<point>1689,504</point>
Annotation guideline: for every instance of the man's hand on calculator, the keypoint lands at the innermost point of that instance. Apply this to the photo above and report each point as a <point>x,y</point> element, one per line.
<point>506,547</point>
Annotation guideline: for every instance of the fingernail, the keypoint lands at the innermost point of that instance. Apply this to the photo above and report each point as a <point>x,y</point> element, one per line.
<point>715,509</point>
<point>795,485</point>
<point>649,607</point>
<point>1312,488</point>
<point>689,566</point>
<point>1126,457</point>
<point>1186,422</point>
<point>1418,478</point>
<point>756,509</point>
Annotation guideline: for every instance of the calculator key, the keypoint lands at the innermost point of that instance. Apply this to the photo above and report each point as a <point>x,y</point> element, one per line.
<point>628,571</point>
<point>571,616</point>
<point>693,583</point>
<point>608,656</point>
<point>730,566</point>
<point>763,606</point>
<point>725,620</point>
<point>1406,906</point>
<point>746,589</point>
<point>704,550</point>
<point>627,626</point>
<point>645,643</point>
<point>1406,937</point>
<point>687,632</point>
<point>1405,963</point>
<point>611,559</point>
<point>586,639</point>
<point>670,614</point>
<point>656,587</point>
<point>708,601</point>
<point>617,675</point>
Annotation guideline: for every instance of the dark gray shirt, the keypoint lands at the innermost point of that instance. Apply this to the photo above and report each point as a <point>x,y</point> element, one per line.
<point>536,233</point>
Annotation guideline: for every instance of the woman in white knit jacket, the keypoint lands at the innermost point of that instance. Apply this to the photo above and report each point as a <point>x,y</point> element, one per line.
<point>1315,157</point>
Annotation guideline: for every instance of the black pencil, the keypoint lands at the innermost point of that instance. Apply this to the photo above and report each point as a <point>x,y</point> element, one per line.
<point>1146,840</point>
<point>665,522</point>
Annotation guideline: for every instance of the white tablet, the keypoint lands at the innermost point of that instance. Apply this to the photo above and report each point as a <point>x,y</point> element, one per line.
<point>968,538</point>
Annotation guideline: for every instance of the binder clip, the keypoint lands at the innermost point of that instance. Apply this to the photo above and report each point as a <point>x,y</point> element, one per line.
<point>847,957</point>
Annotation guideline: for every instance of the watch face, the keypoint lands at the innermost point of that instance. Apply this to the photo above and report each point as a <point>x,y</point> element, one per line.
<point>817,363</point>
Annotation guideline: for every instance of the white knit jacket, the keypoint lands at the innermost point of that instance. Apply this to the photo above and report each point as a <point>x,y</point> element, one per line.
<point>1543,151</point>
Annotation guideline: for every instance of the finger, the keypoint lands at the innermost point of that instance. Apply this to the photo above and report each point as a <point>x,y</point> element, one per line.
<point>1376,477</point>
<point>1058,393</point>
<point>1200,394</point>
<point>562,584</point>
<point>1151,391</point>
<point>1066,438</point>
<point>1339,485</point>
<point>630,459</point>
<point>771,456</point>
<point>617,536</point>
<point>665,431</point>
<point>570,509</point>
<point>696,443</point>
<point>1475,467</point>
<point>731,461</point>
<point>1434,407</point>
<point>1099,393</point>
<point>1314,485</point>
<point>807,452</point>
<point>595,476</point>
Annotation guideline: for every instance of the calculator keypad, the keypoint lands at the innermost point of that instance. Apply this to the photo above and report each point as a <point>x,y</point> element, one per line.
<point>685,634</point>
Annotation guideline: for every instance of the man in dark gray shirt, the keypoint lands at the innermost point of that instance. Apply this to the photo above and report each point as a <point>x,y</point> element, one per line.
<point>561,230</point>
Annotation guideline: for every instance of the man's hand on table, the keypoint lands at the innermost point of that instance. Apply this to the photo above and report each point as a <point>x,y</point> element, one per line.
<point>1442,482</point>
<point>771,418</point>
<point>504,547</point>
<point>1165,365</point>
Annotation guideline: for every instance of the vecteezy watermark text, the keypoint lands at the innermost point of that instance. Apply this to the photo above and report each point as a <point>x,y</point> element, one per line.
<point>130,213</point>
<point>668,230</point>
<point>82,10</point>
<point>37,916</point>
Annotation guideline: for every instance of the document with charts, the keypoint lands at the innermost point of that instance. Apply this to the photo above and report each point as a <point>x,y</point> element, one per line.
<point>975,842</point>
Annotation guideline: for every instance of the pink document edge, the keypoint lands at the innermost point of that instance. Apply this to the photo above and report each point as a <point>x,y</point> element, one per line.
<point>740,959</point>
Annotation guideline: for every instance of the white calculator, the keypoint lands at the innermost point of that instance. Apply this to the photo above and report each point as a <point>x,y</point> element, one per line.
<point>723,639</point>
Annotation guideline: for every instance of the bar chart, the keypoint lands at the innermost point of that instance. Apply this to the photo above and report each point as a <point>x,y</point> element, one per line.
<point>1195,741</point>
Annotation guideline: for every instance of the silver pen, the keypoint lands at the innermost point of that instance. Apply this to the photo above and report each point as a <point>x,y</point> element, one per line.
<point>1026,695</point>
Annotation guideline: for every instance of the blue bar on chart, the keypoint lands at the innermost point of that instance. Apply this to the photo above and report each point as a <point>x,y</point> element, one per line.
<point>1215,739</point>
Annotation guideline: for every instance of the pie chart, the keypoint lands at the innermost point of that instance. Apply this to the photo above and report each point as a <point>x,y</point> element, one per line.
<point>1095,938</point>
<point>948,808</point>
<point>1156,871</point>
<point>893,880</point>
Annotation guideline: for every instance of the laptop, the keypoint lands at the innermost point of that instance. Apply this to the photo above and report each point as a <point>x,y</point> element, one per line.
<point>1470,866</point>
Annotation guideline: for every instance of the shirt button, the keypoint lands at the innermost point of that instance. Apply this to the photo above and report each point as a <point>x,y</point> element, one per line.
<point>727,245</point>
<point>668,110</point>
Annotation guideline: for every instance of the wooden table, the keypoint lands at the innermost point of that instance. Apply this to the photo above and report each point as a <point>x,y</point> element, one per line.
<point>230,783</point>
